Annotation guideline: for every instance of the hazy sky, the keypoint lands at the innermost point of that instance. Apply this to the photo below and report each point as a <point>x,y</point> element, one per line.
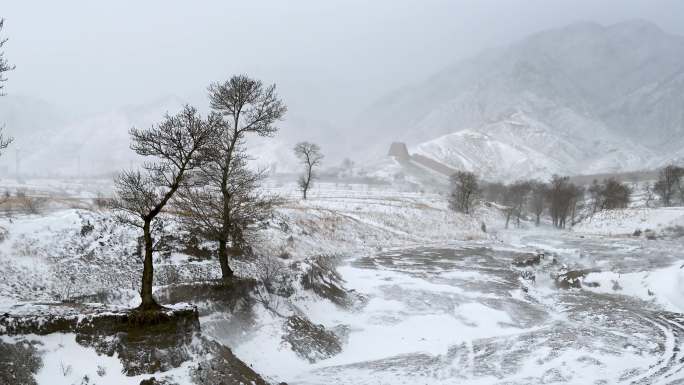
<point>329,58</point>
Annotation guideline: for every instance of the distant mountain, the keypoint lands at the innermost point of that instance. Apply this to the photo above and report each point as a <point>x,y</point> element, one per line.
<point>580,99</point>
<point>48,143</point>
<point>30,121</point>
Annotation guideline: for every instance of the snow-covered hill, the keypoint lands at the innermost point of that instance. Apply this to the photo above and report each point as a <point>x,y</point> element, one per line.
<point>522,147</point>
<point>580,99</point>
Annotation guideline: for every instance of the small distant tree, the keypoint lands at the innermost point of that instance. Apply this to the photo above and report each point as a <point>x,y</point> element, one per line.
<point>576,202</point>
<point>649,194</point>
<point>310,155</point>
<point>515,198</point>
<point>521,192</point>
<point>537,199</point>
<point>464,191</point>
<point>609,194</point>
<point>175,145</point>
<point>595,191</point>
<point>668,184</point>
<point>507,201</point>
<point>562,197</point>
<point>615,195</point>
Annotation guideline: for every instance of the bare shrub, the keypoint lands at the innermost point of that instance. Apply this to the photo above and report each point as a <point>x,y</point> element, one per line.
<point>272,275</point>
<point>102,202</point>
<point>465,190</point>
<point>31,204</point>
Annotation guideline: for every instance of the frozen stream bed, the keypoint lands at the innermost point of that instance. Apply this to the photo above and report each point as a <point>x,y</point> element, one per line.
<point>470,313</point>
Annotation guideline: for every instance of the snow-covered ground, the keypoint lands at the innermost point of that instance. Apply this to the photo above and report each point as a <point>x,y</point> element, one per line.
<point>437,300</point>
<point>461,312</point>
<point>627,221</point>
<point>83,255</point>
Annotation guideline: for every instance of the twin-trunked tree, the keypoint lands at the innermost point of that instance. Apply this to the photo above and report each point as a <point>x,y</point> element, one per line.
<point>201,168</point>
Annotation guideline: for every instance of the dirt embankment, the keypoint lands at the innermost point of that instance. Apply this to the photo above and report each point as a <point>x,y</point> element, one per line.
<point>144,344</point>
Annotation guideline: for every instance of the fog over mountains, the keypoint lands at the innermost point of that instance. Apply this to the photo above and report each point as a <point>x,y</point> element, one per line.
<point>581,99</point>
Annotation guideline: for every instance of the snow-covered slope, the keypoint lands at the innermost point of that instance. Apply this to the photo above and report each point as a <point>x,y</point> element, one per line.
<point>580,99</point>
<point>522,147</point>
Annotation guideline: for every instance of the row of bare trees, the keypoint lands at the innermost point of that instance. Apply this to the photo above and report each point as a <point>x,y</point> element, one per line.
<point>561,198</point>
<point>197,169</point>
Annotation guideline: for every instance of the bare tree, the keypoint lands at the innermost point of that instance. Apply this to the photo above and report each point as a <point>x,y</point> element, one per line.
<point>576,202</point>
<point>4,67</point>
<point>310,155</point>
<point>515,198</point>
<point>204,208</point>
<point>609,194</point>
<point>537,199</point>
<point>176,144</point>
<point>464,191</point>
<point>595,196</point>
<point>669,182</point>
<point>563,198</point>
<point>649,194</point>
<point>228,203</point>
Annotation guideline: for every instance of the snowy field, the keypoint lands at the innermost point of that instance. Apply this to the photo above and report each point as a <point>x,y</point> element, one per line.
<point>463,313</point>
<point>437,300</point>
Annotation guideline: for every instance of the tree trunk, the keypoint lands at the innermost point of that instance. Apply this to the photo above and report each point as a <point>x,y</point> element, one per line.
<point>537,221</point>
<point>309,171</point>
<point>148,302</point>
<point>226,271</point>
<point>306,187</point>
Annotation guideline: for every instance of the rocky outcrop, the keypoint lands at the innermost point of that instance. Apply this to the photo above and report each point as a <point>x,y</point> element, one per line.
<point>144,342</point>
<point>309,341</point>
<point>571,279</point>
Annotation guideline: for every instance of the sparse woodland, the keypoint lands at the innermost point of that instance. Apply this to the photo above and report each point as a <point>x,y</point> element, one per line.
<point>564,201</point>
